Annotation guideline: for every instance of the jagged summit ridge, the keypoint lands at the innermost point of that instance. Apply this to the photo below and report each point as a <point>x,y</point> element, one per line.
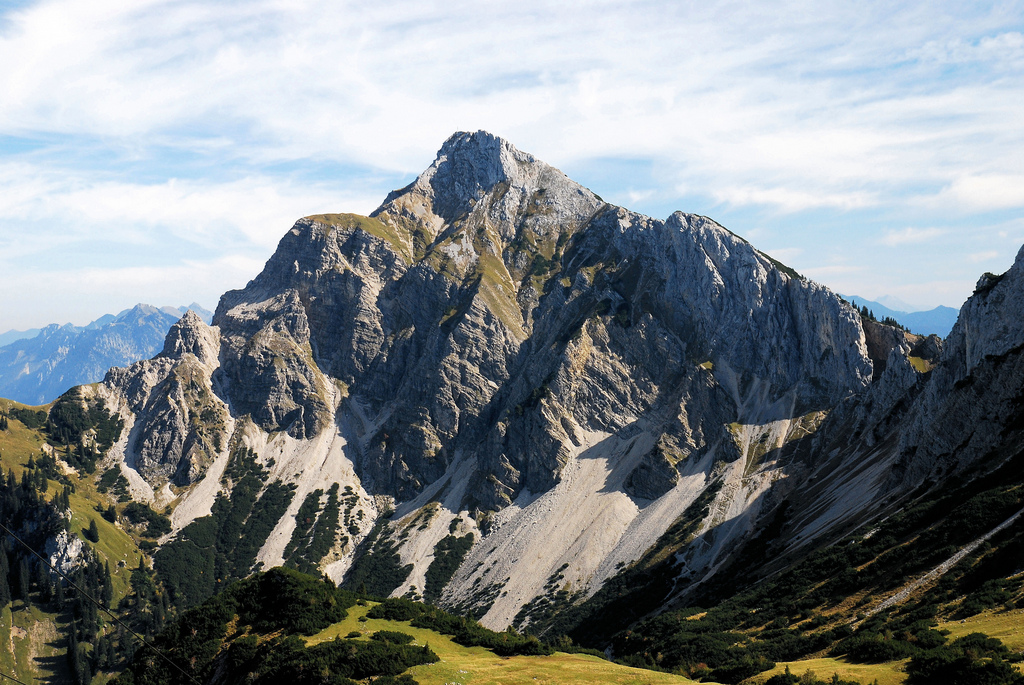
<point>191,335</point>
<point>467,166</point>
<point>37,370</point>
<point>471,166</point>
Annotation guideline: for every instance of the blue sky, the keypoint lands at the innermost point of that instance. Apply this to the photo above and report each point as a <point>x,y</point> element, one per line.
<point>157,151</point>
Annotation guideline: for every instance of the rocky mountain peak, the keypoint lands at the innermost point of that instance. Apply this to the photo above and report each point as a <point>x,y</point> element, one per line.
<point>482,175</point>
<point>988,321</point>
<point>191,335</point>
<point>467,167</point>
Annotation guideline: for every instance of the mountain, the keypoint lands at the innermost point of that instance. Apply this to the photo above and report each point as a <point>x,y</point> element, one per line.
<point>12,335</point>
<point>35,370</point>
<point>495,352</point>
<point>896,304</point>
<point>502,395</point>
<point>938,321</point>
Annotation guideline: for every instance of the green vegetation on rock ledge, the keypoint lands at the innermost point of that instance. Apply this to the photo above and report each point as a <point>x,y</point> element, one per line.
<point>377,568</point>
<point>213,550</point>
<point>374,227</point>
<point>73,415</point>
<point>448,555</point>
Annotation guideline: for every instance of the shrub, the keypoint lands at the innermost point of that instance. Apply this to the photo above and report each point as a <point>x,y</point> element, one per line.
<point>392,636</point>
<point>974,659</point>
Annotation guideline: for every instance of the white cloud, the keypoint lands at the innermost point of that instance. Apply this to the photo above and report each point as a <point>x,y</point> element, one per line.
<point>987,191</point>
<point>833,270</point>
<point>910,235</point>
<point>250,211</point>
<point>637,196</point>
<point>1003,48</point>
<point>726,88</point>
<point>988,255</point>
<point>789,200</point>
<point>81,295</point>
<point>779,107</point>
<point>786,255</point>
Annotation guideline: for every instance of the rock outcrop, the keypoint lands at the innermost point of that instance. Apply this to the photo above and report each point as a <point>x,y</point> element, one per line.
<point>176,420</point>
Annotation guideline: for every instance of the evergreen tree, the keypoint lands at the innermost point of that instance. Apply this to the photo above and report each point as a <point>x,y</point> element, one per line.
<point>5,588</point>
<point>99,653</point>
<point>159,617</point>
<point>59,597</point>
<point>111,655</point>
<point>93,534</point>
<point>108,586</point>
<point>74,655</point>
<point>23,580</point>
<point>43,583</point>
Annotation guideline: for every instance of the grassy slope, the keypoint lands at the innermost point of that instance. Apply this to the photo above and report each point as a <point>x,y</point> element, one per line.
<point>479,666</point>
<point>889,673</point>
<point>1007,626</point>
<point>36,649</point>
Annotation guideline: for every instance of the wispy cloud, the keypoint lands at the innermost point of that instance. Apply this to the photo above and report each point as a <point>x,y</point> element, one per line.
<point>832,270</point>
<point>977,257</point>
<point>253,210</point>
<point>786,255</point>
<point>789,200</point>
<point>1003,49</point>
<point>779,108</point>
<point>987,191</point>
<point>910,235</point>
<point>81,294</point>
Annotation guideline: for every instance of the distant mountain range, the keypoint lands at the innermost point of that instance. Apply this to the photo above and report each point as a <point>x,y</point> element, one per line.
<point>36,369</point>
<point>10,336</point>
<point>938,321</point>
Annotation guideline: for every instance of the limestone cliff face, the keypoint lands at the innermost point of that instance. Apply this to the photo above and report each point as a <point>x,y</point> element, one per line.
<point>497,339</point>
<point>971,406</point>
<point>494,302</point>
<point>881,341</point>
<point>939,410</point>
<point>176,419</point>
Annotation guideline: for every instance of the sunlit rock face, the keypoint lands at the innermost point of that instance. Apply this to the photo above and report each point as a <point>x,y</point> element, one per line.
<point>499,348</point>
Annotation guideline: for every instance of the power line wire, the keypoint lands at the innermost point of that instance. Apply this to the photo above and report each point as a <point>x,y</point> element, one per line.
<point>99,606</point>
<point>4,675</point>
